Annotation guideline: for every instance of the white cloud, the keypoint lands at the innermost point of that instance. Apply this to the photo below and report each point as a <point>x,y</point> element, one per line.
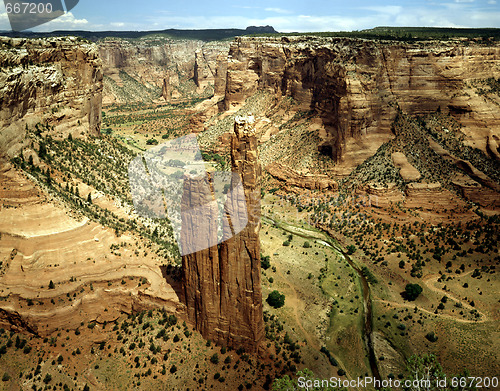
<point>278,10</point>
<point>4,21</point>
<point>117,24</point>
<point>492,2</point>
<point>385,9</point>
<point>65,22</point>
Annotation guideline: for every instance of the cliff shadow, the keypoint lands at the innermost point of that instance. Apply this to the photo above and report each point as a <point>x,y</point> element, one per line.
<point>173,277</point>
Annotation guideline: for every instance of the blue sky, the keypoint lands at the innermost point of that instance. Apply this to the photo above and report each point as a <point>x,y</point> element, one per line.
<point>283,15</point>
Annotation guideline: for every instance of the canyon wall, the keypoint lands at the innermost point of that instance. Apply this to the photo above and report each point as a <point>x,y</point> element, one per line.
<point>355,86</point>
<point>57,81</point>
<point>149,69</point>
<point>221,285</point>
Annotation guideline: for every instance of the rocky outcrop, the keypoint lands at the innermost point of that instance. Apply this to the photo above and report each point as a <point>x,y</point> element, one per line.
<point>355,86</point>
<point>220,74</point>
<point>150,69</point>
<point>406,170</point>
<point>221,286</point>
<point>293,178</point>
<point>381,195</point>
<point>56,81</point>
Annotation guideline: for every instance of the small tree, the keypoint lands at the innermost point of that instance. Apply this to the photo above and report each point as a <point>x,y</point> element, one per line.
<point>42,151</point>
<point>47,378</point>
<point>276,299</point>
<point>307,245</point>
<point>89,198</point>
<point>351,249</point>
<point>412,291</point>
<point>265,262</point>
<point>51,285</point>
<point>424,369</point>
<point>432,337</point>
<point>214,359</point>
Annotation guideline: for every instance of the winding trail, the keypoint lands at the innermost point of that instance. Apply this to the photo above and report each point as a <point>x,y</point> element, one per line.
<point>446,316</point>
<point>429,281</point>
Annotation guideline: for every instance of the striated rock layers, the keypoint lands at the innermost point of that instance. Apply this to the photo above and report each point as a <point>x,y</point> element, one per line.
<point>221,284</point>
<point>56,81</point>
<point>150,69</point>
<point>355,86</point>
<point>293,178</point>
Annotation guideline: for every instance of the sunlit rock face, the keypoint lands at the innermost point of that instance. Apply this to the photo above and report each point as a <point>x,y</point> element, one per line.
<point>356,86</point>
<point>221,285</point>
<point>55,81</point>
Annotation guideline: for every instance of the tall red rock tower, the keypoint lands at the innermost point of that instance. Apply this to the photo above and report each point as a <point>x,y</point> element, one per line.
<point>221,285</point>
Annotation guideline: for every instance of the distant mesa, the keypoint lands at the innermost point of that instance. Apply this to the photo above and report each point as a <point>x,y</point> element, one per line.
<point>195,34</point>
<point>260,30</point>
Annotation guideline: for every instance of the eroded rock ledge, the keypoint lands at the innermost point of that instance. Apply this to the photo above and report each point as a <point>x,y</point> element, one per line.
<point>56,81</point>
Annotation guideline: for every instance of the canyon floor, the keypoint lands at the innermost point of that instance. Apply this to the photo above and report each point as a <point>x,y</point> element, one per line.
<point>89,290</point>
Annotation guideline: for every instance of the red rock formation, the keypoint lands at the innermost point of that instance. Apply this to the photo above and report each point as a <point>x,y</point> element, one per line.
<point>221,286</point>
<point>165,91</point>
<point>220,74</point>
<point>354,86</point>
<point>56,81</point>
<point>164,65</point>
<point>308,181</point>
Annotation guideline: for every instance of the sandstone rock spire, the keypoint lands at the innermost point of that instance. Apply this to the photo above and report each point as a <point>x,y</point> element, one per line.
<point>221,285</point>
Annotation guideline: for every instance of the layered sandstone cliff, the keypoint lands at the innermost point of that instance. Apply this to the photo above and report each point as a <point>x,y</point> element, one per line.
<point>221,285</point>
<point>355,86</point>
<point>56,81</point>
<point>293,178</point>
<point>150,69</point>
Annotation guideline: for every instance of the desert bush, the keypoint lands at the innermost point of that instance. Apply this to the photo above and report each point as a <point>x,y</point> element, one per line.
<point>214,359</point>
<point>431,336</point>
<point>265,262</point>
<point>276,299</point>
<point>412,291</point>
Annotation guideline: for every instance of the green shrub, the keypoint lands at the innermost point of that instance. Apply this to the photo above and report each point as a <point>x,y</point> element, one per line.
<point>412,291</point>
<point>265,262</point>
<point>214,359</point>
<point>432,337</point>
<point>276,299</point>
